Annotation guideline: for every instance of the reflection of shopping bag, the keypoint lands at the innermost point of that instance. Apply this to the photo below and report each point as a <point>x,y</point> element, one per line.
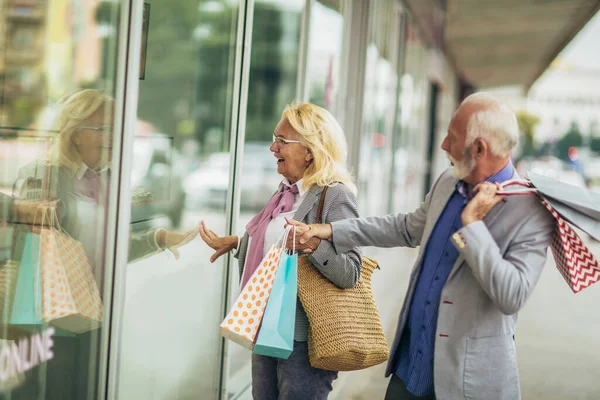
<point>243,321</point>
<point>71,299</point>
<point>26,310</point>
<point>9,273</point>
<point>276,334</point>
<point>575,262</point>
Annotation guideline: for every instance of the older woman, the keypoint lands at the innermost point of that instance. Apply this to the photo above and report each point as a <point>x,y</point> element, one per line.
<point>310,151</point>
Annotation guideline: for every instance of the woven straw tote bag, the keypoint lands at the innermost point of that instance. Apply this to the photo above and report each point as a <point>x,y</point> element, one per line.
<point>345,331</point>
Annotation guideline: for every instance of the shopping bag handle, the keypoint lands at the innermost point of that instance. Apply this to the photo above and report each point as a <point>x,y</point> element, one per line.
<point>527,188</point>
<point>52,215</point>
<point>284,237</point>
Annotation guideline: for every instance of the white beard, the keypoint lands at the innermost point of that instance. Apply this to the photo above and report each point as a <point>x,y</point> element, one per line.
<point>462,168</point>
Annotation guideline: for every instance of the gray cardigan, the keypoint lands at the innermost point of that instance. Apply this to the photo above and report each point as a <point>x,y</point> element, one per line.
<point>342,269</point>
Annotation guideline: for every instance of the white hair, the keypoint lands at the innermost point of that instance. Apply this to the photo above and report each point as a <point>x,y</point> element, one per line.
<point>493,122</point>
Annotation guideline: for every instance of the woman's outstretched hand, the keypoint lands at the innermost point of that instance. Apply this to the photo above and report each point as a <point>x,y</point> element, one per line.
<point>221,245</point>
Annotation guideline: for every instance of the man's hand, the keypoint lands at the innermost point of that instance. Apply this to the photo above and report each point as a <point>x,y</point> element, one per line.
<point>306,232</point>
<point>308,247</point>
<point>221,245</point>
<point>172,240</point>
<point>484,200</point>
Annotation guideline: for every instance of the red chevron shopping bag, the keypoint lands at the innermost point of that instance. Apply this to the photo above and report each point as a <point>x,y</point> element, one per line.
<point>574,260</point>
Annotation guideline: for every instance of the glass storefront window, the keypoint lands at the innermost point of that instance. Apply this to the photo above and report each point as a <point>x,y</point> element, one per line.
<point>173,301</point>
<point>379,101</point>
<point>272,85</point>
<point>410,153</point>
<point>325,53</point>
<point>57,131</point>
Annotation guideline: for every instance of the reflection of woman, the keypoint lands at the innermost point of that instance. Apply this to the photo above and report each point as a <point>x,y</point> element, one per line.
<point>78,176</point>
<point>310,149</point>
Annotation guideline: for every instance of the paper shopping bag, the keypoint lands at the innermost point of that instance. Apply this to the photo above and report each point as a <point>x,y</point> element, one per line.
<point>577,198</point>
<point>575,262</point>
<point>578,206</point>
<point>242,323</point>
<point>276,334</point>
<point>71,299</point>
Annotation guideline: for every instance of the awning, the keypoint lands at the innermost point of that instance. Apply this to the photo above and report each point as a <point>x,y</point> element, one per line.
<point>502,42</point>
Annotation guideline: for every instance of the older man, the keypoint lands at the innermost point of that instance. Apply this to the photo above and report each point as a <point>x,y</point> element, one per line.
<point>480,257</point>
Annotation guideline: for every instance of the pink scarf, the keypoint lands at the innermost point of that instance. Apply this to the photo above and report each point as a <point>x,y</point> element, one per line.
<point>281,202</point>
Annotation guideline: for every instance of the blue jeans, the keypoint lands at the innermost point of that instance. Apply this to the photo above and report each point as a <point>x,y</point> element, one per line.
<point>291,379</point>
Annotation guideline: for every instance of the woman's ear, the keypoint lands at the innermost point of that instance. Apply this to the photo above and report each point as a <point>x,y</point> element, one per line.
<point>75,139</point>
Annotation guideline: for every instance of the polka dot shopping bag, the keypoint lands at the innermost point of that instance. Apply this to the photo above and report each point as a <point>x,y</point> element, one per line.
<point>70,296</point>
<point>242,323</point>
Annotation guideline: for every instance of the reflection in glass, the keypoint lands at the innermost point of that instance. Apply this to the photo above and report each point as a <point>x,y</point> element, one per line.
<point>55,162</point>
<point>325,53</point>
<point>381,81</point>
<point>180,168</point>
<point>272,85</point>
<point>409,160</point>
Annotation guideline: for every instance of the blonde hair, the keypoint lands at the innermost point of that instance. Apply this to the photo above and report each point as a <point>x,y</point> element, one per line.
<point>324,137</point>
<point>76,109</point>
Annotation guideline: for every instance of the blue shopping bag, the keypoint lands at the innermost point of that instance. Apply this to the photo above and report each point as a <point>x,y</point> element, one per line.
<point>276,334</point>
<point>26,312</point>
<point>27,304</point>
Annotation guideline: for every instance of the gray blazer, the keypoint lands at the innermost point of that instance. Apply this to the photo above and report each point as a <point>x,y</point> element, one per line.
<point>341,268</point>
<point>500,261</point>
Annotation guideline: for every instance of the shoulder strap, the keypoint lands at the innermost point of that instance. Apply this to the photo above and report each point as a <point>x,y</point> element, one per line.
<point>321,204</point>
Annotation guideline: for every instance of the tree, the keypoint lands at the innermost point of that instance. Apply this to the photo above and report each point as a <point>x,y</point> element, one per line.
<point>595,144</point>
<point>527,123</point>
<point>573,138</point>
<point>188,88</point>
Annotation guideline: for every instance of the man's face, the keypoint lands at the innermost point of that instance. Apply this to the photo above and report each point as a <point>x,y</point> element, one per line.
<point>455,146</point>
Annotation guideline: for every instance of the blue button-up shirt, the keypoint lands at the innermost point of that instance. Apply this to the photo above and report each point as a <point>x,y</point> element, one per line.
<point>415,358</point>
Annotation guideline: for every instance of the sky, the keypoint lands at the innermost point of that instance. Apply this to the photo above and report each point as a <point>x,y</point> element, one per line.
<point>584,50</point>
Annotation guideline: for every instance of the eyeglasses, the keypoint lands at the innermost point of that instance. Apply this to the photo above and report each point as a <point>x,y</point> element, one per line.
<point>282,142</point>
<point>100,128</point>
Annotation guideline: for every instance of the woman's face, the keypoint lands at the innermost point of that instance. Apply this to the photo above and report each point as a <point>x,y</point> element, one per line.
<point>94,139</point>
<point>292,158</point>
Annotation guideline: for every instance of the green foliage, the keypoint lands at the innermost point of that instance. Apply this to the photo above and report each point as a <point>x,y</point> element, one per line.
<point>595,144</point>
<point>527,123</point>
<point>573,138</point>
<point>188,87</point>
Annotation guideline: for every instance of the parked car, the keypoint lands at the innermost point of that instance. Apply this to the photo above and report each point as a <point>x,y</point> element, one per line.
<point>208,185</point>
<point>157,175</point>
